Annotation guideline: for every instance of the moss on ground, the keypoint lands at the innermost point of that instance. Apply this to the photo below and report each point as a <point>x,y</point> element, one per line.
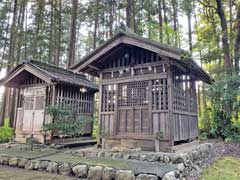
<point>226,168</point>
<point>63,157</point>
<point>8,173</point>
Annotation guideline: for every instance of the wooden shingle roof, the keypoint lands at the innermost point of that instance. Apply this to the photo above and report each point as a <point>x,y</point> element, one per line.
<point>51,74</point>
<point>128,37</point>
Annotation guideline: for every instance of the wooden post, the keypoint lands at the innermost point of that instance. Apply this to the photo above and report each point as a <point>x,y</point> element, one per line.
<point>100,109</point>
<point>53,103</point>
<point>115,122</point>
<point>170,106</point>
<point>150,107</point>
<point>15,111</point>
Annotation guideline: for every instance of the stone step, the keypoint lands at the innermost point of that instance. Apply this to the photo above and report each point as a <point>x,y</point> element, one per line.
<point>73,144</point>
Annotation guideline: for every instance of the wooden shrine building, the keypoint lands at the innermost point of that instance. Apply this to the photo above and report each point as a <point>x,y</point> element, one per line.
<point>147,92</point>
<point>39,85</point>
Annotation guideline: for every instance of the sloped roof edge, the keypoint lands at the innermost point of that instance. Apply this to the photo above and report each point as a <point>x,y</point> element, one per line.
<point>53,74</point>
<point>177,53</point>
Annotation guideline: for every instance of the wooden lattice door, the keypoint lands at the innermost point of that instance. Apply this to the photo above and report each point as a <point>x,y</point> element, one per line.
<point>133,112</point>
<point>33,109</point>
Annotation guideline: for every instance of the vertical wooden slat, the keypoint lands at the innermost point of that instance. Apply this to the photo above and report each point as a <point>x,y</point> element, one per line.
<point>150,107</point>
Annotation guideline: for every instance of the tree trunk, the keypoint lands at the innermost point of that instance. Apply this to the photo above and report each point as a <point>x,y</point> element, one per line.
<point>58,34</point>
<point>237,41</point>
<point>96,18</point>
<point>225,43</point>
<point>129,17</point>
<point>111,18</point>
<point>11,61</point>
<point>175,28</point>
<point>189,32</point>
<point>165,19</point>
<point>160,21</point>
<point>71,48</point>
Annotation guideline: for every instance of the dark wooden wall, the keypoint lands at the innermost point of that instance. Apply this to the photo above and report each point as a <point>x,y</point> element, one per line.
<point>184,106</point>
<point>80,100</point>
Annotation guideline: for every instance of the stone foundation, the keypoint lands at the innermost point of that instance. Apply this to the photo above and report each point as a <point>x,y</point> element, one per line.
<point>188,163</point>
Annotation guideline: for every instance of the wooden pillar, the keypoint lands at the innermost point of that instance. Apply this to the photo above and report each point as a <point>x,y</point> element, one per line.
<point>53,103</point>
<point>150,106</point>
<point>100,109</point>
<point>170,106</point>
<point>115,122</point>
<point>15,110</point>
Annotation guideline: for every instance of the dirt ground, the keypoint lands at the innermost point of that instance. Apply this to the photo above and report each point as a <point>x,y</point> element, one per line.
<point>228,149</point>
<point>225,163</point>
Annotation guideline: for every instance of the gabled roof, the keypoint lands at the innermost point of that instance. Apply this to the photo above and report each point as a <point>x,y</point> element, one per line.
<point>130,38</point>
<point>50,74</point>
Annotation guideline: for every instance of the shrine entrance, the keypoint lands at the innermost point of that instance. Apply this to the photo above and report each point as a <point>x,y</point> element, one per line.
<point>133,114</point>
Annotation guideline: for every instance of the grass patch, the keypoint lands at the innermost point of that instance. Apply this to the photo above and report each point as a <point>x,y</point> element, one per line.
<point>226,168</point>
<point>21,174</point>
<point>62,157</point>
<point>24,154</point>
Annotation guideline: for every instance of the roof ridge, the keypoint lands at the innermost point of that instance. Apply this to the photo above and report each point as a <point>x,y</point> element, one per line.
<point>36,63</point>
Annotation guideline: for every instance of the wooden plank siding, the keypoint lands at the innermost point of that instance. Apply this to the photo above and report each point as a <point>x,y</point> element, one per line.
<point>142,95</point>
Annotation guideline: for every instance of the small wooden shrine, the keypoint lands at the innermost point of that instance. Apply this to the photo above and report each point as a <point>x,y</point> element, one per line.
<point>39,85</point>
<point>147,92</point>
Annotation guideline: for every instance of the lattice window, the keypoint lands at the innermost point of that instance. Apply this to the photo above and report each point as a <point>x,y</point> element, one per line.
<point>184,93</point>
<point>133,94</point>
<point>39,102</point>
<point>108,97</point>
<point>28,102</point>
<point>78,100</point>
<point>159,94</point>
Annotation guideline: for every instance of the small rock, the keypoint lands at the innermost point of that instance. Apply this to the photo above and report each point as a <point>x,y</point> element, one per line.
<point>166,159</point>
<point>80,171</point>
<point>108,173</point>
<point>146,177</point>
<point>65,169</point>
<point>52,167</point>
<point>29,165</point>
<point>22,162</point>
<point>143,157</point>
<point>117,155</point>
<point>125,175</point>
<point>108,154</point>
<point>4,160</point>
<point>135,156</point>
<point>81,154</point>
<point>41,165</point>
<point>172,175</point>
<point>13,161</point>
<point>126,156</point>
<point>152,157</point>
<point>181,167</point>
<point>95,173</point>
<point>100,154</point>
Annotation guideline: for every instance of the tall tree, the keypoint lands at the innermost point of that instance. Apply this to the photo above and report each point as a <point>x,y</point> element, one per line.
<point>72,40</point>
<point>225,42</point>
<point>11,61</point>
<point>96,23</point>
<point>160,20</point>
<point>129,14</point>
<point>237,41</point>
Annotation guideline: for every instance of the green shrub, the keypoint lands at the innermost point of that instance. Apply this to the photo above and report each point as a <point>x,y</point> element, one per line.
<point>223,105</point>
<point>6,132</point>
<point>95,128</point>
<point>65,121</point>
